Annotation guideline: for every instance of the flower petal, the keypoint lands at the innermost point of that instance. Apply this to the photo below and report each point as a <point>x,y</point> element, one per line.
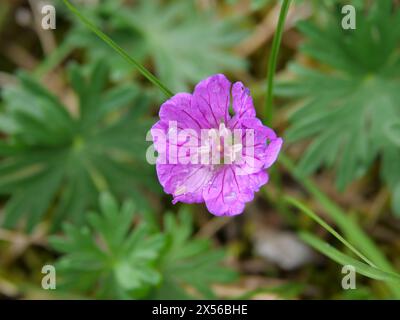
<point>184,182</point>
<point>242,101</point>
<point>272,152</point>
<point>227,193</point>
<point>211,99</point>
<point>179,109</point>
<point>264,147</point>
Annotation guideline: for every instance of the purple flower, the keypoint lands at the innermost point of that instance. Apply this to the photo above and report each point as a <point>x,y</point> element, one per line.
<point>189,165</point>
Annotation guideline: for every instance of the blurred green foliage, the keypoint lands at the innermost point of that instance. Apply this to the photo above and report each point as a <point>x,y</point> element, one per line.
<point>350,104</point>
<point>68,159</point>
<point>184,44</point>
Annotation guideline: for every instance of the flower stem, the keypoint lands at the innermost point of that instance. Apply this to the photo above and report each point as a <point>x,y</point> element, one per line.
<point>273,59</point>
<point>146,73</point>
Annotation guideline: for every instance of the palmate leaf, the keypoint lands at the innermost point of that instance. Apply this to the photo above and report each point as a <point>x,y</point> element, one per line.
<point>106,258</point>
<point>188,263</point>
<point>51,159</point>
<point>350,103</point>
<point>113,257</point>
<point>184,44</point>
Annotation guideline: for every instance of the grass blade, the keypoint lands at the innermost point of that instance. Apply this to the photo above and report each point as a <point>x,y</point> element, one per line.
<point>346,224</point>
<point>327,227</point>
<point>276,43</point>
<point>344,259</point>
<point>146,73</point>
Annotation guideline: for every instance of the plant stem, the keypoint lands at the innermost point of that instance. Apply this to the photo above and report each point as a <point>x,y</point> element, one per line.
<point>147,74</point>
<point>327,227</point>
<point>273,59</point>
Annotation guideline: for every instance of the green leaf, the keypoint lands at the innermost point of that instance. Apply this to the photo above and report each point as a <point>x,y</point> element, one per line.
<point>350,100</point>
<point>109,254</point>
<point>189,262</point>
<point>347,224</point>
<point>119,254</point>
<point>327,227</point>
<point>396,199</point>
<point>120,51</point>
<point>66,159</point>
<point>343,259</point>
<point>393,132</point>
<point>184,43</point>
<point>28,201</point>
